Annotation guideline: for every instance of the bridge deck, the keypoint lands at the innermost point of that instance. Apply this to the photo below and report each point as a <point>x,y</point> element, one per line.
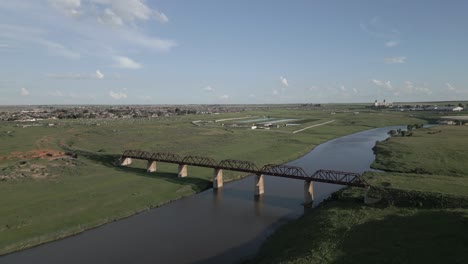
<point>292,172</point>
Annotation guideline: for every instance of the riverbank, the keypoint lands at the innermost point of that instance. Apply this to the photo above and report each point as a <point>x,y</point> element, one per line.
<point>90,191</point>
<point>431,160</point>
<point>421,217</point>
<point>344,230</point>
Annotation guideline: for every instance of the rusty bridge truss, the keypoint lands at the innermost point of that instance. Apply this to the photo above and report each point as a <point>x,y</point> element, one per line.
<point>327,176</point>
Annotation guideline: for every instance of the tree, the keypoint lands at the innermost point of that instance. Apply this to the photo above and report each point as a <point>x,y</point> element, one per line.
<point>392,132</point>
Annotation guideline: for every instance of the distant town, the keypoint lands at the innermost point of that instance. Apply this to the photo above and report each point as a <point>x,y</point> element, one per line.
<point>420,106</point>
<point>42,112</point>
<point>37,113</point>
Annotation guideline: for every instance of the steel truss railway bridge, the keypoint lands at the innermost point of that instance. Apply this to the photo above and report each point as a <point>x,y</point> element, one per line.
<point>285,171</point>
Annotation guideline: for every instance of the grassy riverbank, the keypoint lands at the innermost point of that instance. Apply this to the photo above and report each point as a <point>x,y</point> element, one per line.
<point>45,195</point>
<point>428,222</point>
<point>432,160</point>
<point>345,230</point>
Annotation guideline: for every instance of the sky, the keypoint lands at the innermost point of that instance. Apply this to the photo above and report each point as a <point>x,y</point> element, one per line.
<point>232,52</point>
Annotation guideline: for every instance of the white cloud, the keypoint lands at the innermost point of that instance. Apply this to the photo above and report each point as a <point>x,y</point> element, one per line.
<point>109,17</point>
<point>98,75</point>
<point>252,95</point>
<point>209,89</point>
<point>113,12</point>
<point>56,93</point>
<point>455,90</point>
<point>395,60</point>
<point>224,97</point>
<point>378,29</point>
<point>284,81</point>
<point>355,90</point>
<point>343,88</point>
<point>60,49</point>
<point>161,17</point>
<point>275,92</point>
<point>68,7</point>
<point>406,90</point>
<point>81,96</point>
<point>128,10</point>
<point>117,95</point>
<point>385,84</point>
<point>126,63</point>
<point>36,36</point>
<point>392,43</point>
<point>148,42</point>
<point>145,98</point>
<point>76,28</point>
<point>410,88</point>
<point>450,87</point>
<point>24,92</point>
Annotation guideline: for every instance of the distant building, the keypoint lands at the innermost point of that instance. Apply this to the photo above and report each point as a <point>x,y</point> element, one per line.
<point>447,122</point>
<point>384,103</point>
<point>446,108</point>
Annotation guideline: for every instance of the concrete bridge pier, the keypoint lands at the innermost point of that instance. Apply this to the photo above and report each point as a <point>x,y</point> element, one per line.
<point>308,193</point>
<point>217,178</point>
<point>182,170</point>
<point>126,161</point>
<point>151,167</point>
<point>259,184</point>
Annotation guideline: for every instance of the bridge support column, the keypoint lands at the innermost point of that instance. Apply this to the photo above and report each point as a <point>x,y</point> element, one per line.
<point>366,197</point>
<point>151,167</point>
<point>182,170</point>
<point>126,161</point>
<point>259,185</point>
<point>217,178</point>
<point>308,193</point>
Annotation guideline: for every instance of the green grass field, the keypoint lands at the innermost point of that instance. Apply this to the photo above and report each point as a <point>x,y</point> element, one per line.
<point>346,231</point>
<point>432,160</point>
<point>428,166</point>
<point>42,200</point>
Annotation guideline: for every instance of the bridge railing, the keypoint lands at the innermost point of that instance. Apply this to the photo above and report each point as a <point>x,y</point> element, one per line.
<point>284,171</point>
<point>339,177</point>
<point>166,157</point>
<point>137,154</point>
<point>200,161</point>
<point>239,165</point>
<point>326,176</point>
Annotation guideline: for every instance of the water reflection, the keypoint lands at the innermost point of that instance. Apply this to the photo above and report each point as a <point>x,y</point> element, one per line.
<point>217,197</point>
<point>258,204</point>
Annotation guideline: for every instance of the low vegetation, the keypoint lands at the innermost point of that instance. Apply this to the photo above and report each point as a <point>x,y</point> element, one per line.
<point>52,195</point>
<point>344,230</point>
<point>422,216</point>
<point>440,150</point>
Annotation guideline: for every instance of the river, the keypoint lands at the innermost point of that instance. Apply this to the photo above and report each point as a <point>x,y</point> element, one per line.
<point>224,226</point>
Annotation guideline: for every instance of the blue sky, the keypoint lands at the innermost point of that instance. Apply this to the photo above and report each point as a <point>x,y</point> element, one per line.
<point>196,52</point>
